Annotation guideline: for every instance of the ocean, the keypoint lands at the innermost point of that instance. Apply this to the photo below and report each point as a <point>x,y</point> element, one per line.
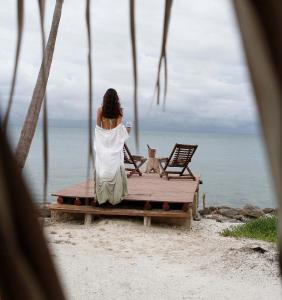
<point>233,167</point>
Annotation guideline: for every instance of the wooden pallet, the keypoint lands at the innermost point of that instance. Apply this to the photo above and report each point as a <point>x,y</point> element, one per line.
<point>149,196</point>
<point>89,211</point>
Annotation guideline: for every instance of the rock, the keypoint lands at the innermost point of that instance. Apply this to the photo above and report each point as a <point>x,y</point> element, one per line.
<point>212,209</point>
<point>213,217</point>
<point>268,210</point>
<point>217,218</point>
<point>229,212</point>
<point>197,218</point>
<point>201,211</point>
<point>252,211</point>
<point>224,207</point>
<point>275,212</point>
<point>222,219</point>
<point>259,249</point>
<point>240,217</point>
<point>205,211</point>
<point>251,207</point>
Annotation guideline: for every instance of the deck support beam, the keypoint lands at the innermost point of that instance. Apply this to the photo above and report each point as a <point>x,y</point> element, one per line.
<point>195,204</point>
<point>147,221</point>
<point>188,223</point>
<point>87,219</point>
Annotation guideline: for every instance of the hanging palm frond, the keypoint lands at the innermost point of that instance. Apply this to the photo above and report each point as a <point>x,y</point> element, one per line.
<point>33,112</point>
<point>18,49</point>
<point>163,58</point>
<point>135,75</point>
<point>90,100</point>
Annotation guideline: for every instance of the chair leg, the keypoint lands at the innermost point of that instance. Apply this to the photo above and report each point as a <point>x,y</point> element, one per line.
<point>191,174</point>
<point>162,171</point>
<point>139,166</point>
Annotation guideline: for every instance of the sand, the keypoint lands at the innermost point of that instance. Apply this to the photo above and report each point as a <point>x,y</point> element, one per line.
<point>122,259</point>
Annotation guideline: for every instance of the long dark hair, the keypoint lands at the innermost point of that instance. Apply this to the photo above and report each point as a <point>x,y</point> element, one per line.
<point>111,106</point>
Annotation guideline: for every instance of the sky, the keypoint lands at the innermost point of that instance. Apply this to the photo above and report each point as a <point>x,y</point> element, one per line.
<point>208,89</point>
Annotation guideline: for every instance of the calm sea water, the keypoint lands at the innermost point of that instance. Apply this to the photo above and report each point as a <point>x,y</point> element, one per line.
<point>233,167</point>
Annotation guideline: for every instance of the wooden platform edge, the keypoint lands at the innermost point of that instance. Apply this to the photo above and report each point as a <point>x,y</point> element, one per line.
<point>90,211</point>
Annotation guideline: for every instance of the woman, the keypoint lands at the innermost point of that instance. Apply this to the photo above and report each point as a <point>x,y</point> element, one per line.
<point>110,135</point>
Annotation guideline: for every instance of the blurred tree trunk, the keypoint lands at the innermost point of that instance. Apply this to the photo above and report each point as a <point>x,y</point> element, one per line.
<point>32,116</point>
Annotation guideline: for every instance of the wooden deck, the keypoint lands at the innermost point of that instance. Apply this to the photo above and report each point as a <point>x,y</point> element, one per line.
<point>148,196</point>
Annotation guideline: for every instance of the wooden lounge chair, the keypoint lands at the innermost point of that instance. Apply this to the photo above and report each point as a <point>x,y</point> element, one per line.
<point>135,160</point>
<point>178,160</point>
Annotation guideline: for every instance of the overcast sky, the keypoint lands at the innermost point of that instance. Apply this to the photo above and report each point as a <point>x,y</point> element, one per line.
<point>209,87</point>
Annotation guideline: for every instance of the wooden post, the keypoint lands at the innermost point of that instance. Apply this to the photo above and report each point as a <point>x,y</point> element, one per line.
<point>87,219</point>
<point>147,221</point>
<point>204,201</point>
<point>189,219</point>
<point>185,207</point>
<point>195,205</point>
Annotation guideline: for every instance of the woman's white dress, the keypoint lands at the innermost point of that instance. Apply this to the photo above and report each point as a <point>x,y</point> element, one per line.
<point>110,177</point>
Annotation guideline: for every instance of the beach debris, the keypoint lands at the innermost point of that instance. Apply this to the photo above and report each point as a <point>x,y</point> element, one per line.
<point>259,249</point>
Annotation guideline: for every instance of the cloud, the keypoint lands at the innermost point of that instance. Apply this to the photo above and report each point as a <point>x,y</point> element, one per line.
<point>208,79</point>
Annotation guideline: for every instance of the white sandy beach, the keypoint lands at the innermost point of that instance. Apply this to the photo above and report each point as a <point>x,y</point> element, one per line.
<point>122,259</point>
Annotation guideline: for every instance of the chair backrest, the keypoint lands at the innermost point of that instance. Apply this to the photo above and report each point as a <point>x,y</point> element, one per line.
<point>126,156</point>
<point>128,159</point>
<point>181,155</point>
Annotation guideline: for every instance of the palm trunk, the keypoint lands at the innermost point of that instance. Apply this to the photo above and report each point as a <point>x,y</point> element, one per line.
<point>32,116</point>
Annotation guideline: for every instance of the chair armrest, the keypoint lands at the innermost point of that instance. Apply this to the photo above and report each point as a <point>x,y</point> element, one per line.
<point>163,159</point>
<point>137,157</point>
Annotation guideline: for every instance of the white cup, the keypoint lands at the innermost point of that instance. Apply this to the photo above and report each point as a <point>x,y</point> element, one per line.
<point>128,126</point>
